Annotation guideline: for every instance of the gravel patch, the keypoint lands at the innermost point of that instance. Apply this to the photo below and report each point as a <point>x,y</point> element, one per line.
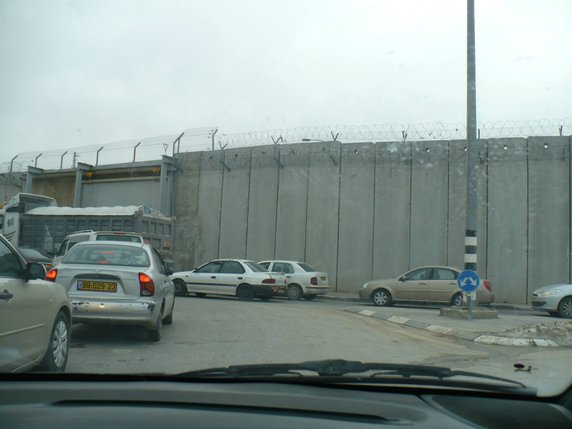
<point>559,331</point>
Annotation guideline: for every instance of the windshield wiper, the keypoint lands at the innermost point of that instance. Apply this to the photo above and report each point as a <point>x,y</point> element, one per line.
<point>370,372</point>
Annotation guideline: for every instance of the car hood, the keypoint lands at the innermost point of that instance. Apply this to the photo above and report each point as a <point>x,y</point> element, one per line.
<point>565,286</point>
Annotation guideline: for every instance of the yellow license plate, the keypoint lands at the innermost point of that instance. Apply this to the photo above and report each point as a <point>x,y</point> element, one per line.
<point>97,286</point>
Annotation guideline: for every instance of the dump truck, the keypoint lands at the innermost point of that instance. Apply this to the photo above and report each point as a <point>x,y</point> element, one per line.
<point>35,221</point>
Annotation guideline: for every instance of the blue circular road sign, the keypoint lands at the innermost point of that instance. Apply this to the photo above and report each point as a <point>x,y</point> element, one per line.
<point>468,281</point>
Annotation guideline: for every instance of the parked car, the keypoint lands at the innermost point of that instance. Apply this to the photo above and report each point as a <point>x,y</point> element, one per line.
<point>38,256</point>
<point>35,316</point>
<point>423,284</point>
<point>236,277</point>
<point>556,299</point>
<point>90,235</point>
<point>117,282</point>
<point>303,280</point>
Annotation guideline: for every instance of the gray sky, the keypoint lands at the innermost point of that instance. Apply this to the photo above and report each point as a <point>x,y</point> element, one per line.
<point>90,72</point>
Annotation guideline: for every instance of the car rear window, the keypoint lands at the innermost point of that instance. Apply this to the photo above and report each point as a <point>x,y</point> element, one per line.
<point>117,237</point>
<point>108,255</point>
<point>306,267</point>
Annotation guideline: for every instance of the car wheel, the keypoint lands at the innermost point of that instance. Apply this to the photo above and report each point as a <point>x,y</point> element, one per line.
<point>169,319</point>
<point>200,294</point>
<point>381,297</point>
<point>154,334</point>
<point>180,287</point>
<point>309,297</point>
<point>457,299</point>
<point>244,292</point>
<point>565,308</point>
<point>56,356</point>
<point>294,292</point>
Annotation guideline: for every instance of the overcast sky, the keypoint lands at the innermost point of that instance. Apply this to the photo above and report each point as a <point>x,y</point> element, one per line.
<point>90,72</point>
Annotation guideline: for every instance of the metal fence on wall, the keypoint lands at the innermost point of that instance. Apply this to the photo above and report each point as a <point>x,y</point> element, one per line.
<point>209,138</point>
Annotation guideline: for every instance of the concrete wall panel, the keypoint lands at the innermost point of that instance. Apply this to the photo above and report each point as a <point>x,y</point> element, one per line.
<point>187,223</point>
<point>392,213</point>
<point>457,205</point>
<point>234,208</point>
<point>323,205</point>
<point>548,211</point>
<point>507,223</point>
<point>209,205</point>
<point>429,203</point>
<point>262,203</point>
<point>355,244</point>
<point>292,202</point>
<point>121,193</point>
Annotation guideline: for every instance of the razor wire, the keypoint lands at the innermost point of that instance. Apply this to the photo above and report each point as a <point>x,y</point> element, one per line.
<point>211,138</point>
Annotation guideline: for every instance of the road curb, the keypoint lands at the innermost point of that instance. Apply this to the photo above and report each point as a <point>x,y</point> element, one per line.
<point>476,337</point>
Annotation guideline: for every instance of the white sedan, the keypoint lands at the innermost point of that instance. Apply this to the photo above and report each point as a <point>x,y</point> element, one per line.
<point>236,277</point>
<point>303,280</point>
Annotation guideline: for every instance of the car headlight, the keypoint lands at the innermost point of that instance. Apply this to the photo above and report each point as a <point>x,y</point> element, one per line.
<point>550,292</point>
<point>364,285</point>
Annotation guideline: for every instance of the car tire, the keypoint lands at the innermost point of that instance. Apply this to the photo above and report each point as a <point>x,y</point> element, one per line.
<point>381,297</point>
<point>154,334</point>
<point>457,300</point>
<point>309,297</point>
<point>294,292</point>
<point>200,294</point>
<point>56,356</point>
<point>169,319</point>
<point>244,292</point>
<point>565,308</point>
<point>180,287</point>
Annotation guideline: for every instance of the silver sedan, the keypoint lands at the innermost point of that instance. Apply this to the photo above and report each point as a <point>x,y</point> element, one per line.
<point>117,282</point>
<point>556,299</point>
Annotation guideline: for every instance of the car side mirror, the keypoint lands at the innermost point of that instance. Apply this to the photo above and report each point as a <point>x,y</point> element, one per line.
<point>402,279</point>
<point>169,271</point>
<point>35,271</point>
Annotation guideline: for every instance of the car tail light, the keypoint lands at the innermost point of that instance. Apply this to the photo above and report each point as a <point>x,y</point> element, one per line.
<point>487,284</point>
<point>51,275</point>
<point>269,281</point>
<point>146,285</point>
<point>314,281</point>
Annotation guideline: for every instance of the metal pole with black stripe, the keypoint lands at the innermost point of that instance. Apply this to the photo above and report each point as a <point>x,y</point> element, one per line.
<point>472,158</point>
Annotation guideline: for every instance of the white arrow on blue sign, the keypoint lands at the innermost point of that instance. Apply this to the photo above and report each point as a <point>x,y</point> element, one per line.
<point>468,281</point>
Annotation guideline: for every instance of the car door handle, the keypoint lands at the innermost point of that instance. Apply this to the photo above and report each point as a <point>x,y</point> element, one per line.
<point>422,283</point>
<point>240,278</point>
<point>452,284</point>
<point>213,277</point>
<point>288,277</point>
<point>6,296</point>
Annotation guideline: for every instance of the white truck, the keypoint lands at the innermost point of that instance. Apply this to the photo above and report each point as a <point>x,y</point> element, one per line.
<point>35,221</point>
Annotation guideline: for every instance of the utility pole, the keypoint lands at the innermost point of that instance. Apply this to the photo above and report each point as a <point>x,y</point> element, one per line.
<point>472,156</point>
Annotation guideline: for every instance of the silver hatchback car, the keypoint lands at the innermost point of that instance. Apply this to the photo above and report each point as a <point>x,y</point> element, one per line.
<point>117,282</point>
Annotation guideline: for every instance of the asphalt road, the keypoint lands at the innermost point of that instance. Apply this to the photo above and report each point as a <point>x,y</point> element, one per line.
<point>216,331</point>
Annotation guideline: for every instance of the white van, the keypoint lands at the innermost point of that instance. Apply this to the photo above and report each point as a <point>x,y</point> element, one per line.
<point>90,235</point>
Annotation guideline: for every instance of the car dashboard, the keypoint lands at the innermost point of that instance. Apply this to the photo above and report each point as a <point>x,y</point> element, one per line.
<point>122,403</point>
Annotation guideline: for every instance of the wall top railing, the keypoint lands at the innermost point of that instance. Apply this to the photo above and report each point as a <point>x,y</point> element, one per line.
<point>211,138</point>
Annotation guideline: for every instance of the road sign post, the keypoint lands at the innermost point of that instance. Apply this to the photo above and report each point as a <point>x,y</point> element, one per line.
<point>468,281</point>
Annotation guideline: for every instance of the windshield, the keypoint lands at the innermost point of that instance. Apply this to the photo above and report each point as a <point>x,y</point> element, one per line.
<point>375,141</point>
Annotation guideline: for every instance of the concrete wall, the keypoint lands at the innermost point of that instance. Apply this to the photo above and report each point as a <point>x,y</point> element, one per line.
<point>362,211</point>
<point>120,193</point>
